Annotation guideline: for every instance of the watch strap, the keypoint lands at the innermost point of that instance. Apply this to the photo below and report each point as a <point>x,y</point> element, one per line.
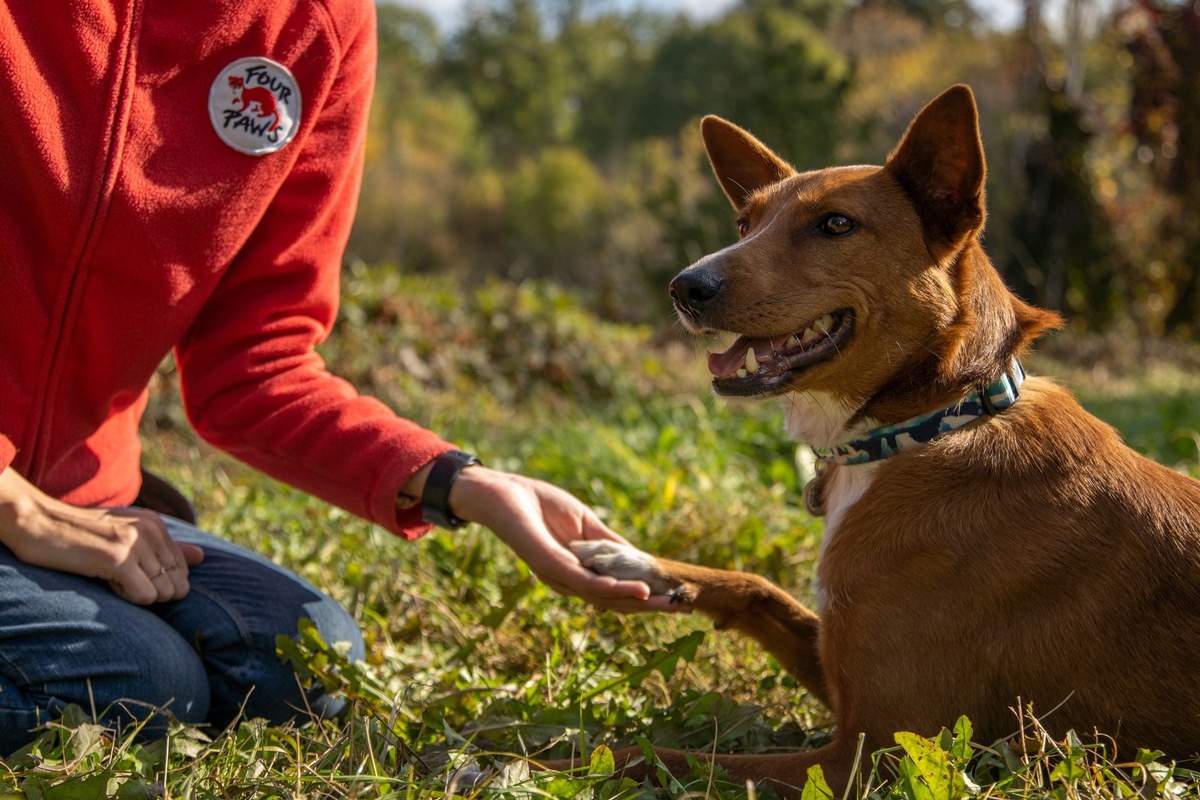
<point>435,497</point>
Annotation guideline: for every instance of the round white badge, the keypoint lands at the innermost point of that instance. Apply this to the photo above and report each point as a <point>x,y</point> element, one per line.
<point>254,105</point>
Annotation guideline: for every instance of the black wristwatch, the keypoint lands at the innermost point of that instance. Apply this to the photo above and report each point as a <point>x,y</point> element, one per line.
<point>435,498</point>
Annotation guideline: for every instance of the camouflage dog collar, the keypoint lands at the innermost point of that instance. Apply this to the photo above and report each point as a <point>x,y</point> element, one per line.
<point>891,439</point>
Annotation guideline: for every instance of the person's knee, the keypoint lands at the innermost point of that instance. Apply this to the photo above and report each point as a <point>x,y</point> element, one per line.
<point>237,634</point>
<point>239,605</point>
<point>136,679</point>
<point>152,674</point>
<point>68,640</point>
<point>268,685</point>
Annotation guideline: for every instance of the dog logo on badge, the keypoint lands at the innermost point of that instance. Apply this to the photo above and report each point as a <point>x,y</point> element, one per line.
<point>254,105</point>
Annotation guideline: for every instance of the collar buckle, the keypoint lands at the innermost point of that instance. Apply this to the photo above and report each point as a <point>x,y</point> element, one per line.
<point>1004,391</point>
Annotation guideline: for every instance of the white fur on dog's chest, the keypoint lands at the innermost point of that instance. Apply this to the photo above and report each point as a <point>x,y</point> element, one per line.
<point>821,419</point>
<point>845,486</point>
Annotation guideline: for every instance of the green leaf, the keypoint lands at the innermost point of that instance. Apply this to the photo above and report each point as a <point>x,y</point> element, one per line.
<point>816,788</point>
<point>1070,770</point>
<point>1148,756</point>
<point>961,747</point>
<point>602,762</point>
<point>93,787</point>
<point>909,782</point>
<point>566,787</point>
<point>139,789</point>
<point>932,764</point>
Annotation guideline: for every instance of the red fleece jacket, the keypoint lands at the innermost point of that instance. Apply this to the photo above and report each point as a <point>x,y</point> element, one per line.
<point>128,227</point>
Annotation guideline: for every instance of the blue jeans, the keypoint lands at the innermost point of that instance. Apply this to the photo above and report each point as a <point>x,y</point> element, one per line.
<point>66,639</point>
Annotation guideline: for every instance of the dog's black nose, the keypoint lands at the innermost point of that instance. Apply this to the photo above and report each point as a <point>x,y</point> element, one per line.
<point>694,289</point>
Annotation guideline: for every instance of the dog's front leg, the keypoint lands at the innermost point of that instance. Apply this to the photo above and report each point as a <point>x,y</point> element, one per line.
<point>739,600</point>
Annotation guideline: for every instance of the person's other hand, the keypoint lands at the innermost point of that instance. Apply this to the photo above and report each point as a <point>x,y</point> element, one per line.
<point>538,520</point>
<point>128,548</point>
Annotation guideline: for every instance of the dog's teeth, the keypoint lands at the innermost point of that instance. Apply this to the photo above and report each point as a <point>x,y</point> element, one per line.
<point>808,335</point>
<point>792,341</point>
<point>824,324</point>
<point>751,361</point>
<point>741,373</point>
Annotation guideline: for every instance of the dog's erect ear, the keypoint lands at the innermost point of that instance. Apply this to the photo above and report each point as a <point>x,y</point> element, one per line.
<point>939,162</point>
<point>741,163</point>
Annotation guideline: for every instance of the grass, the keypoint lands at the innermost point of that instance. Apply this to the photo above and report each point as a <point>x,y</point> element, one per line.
<point>472,663</point>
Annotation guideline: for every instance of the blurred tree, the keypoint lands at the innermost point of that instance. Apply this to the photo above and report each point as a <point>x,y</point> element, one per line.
<point>516,76</point>
<point>1060,250</point>
<point>1068,260</point>
<point>610,53</point>
<point>935,13</point>
<point>1164,40</point>
<point>408,43</point>
<point>425,162</point>
<point>557,206</point>
<point>766,66</point>
<point>558,138</point>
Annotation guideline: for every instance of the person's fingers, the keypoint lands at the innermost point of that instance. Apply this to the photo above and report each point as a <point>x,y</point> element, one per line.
<point>192,554</point>
<point>157,571</point>
<point>133,583</point>
<point>591,586</point>
<point>165,566</point>
<point>176,568</point>
<point>163,584</point>
<point>176,574</point>
<point>598,530</point>
<point>657,603</point>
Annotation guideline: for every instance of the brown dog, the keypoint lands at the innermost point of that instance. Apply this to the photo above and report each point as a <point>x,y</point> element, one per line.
<point>996,545</point>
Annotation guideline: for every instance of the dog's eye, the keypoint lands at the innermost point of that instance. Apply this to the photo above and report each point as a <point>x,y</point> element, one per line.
<point>836,225</point>
<point>743,226</point>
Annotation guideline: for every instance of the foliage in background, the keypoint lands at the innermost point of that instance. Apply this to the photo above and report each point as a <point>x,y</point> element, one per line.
<point>558,138</point>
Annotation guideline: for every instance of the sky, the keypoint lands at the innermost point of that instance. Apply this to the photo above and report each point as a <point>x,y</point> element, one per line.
<point>449,12</point>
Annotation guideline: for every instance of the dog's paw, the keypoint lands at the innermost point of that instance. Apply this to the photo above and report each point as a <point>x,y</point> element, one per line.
<point>626,563</point>
<point>618,560</point>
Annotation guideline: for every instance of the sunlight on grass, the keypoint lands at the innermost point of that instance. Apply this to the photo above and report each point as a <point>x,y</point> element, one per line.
<point>472,664</point>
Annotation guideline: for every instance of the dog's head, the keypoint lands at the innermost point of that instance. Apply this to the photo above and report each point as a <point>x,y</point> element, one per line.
<point>859,293</point>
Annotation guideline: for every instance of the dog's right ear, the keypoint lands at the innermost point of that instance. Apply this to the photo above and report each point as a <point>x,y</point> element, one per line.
<point>741,162</point>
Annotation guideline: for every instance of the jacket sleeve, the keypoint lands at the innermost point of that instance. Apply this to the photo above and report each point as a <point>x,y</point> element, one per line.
<point>252,381</point>
<point>8,451</point>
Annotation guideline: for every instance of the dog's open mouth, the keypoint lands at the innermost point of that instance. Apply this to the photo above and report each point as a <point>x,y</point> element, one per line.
<point>758,367</point>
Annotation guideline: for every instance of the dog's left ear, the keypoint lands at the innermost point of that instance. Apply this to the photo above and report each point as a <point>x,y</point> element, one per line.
<point>939,163</point>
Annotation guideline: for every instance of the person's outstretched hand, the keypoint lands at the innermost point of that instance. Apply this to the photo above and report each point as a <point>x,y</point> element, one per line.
<point>538,520</point>
<point>129,548</point>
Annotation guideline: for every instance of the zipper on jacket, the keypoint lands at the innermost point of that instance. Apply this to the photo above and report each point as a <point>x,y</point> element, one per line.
<point>108,156</point>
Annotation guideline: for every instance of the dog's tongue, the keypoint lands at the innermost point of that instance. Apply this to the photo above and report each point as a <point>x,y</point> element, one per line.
<point>722,365</point>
